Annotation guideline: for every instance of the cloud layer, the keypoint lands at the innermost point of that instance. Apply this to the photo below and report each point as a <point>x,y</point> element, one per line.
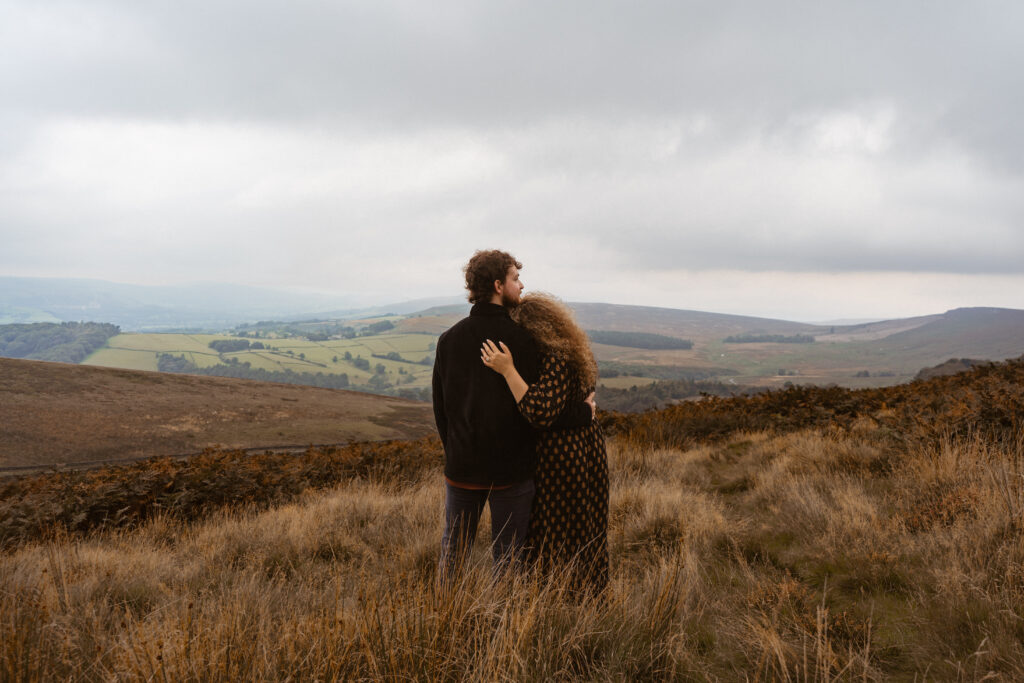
<point>371,146</point>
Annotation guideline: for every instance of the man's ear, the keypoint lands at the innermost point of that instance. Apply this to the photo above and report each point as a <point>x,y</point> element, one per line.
<point>499,286</point>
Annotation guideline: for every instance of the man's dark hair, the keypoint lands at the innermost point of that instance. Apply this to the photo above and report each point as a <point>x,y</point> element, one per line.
<point>483,269</point>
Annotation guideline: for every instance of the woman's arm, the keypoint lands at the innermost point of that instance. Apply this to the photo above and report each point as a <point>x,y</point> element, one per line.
<point>500,360</point>
<point>545,405</point>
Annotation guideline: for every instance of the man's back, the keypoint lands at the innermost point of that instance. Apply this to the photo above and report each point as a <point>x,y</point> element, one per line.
<point>486,440</point>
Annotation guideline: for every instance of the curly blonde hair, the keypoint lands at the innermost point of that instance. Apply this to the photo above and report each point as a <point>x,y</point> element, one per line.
<point>553,326</point>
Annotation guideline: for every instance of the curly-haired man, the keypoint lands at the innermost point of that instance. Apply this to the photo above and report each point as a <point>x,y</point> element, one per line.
<point>489,446</point>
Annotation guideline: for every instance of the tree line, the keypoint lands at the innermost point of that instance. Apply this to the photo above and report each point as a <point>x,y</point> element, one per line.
<point>168,362</point>
<point>775,338</point>
<point>638,340</point>
<point>61,342</point>
<point>394,355</point>
<point>313,330</point>
<point>658,394</point>
<point>618,369</point>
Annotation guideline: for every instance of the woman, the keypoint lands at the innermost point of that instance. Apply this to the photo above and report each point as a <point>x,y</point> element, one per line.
<point>569,519</point>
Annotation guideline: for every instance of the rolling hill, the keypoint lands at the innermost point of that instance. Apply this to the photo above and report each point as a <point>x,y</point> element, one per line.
<point>869,354</point>
<point>695,325</point>
<point>60,413</point>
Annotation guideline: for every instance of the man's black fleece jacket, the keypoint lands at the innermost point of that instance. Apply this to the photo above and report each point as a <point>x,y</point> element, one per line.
<point>486,441</point>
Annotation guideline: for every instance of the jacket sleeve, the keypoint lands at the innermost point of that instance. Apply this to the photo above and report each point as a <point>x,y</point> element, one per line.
<point>437,393</point>
<point>546,398</point>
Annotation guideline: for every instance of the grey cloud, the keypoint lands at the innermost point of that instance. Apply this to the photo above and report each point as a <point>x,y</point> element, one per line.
<point>507,62</point>
<point>618,125</point>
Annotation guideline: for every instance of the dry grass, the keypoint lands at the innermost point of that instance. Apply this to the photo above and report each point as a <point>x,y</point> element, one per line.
<point>60,413</point>
<point>815,555</point>
<point>863,545</point>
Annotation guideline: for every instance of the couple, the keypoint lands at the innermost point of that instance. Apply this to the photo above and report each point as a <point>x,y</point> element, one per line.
<point>513,401</point>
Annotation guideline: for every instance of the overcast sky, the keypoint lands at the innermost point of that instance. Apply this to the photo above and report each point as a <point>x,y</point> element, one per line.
<point>807,161</point>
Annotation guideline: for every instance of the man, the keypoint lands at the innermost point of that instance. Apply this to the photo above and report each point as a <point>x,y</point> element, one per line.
<point>489,455</point>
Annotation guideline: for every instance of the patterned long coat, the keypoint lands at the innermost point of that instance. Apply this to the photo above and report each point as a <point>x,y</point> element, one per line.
<point>569,519</point>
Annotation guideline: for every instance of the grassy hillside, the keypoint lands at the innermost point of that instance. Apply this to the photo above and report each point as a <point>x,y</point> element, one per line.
<point>59,413</point>
<point>413,371</point>
<point>695,325</point>
<point>812,535</point>
<point>992,333</point>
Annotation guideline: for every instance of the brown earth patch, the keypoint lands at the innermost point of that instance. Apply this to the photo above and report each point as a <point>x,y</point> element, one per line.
<point>54,413</point>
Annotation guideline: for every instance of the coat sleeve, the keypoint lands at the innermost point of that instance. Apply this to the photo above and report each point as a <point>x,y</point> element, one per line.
<point>437,394</point>
<point>546,398</point>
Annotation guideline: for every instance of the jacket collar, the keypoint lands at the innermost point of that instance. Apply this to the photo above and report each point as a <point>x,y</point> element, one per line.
<point>488,309</point>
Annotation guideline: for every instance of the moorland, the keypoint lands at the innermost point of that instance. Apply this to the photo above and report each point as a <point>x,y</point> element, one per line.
<point>62,414</point>
<point>814,533</point>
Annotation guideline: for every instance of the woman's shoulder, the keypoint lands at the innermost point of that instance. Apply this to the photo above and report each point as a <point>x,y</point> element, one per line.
<point>557,364</point>
<point>553,358</point>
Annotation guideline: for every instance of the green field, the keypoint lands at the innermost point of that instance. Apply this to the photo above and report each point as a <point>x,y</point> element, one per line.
<point>141,352</point>
<point>625,382</point>
<point>756,364</point>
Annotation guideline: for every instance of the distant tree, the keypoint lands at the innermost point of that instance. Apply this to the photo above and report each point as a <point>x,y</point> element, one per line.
<point>380,326</point>
<point>334,359</point>
<point>166,362</point>
<point>421,394</point>
<point>228,345</point>
<point>348,355</point>
<point>302,356</point>
<point>380,369</point>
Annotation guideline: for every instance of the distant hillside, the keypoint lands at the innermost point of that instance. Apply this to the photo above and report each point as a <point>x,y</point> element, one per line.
<point>989,333</point>
<point>58,413</point>
<point>873,331</point>
<point>695,325</point>
<point>863,355</point>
